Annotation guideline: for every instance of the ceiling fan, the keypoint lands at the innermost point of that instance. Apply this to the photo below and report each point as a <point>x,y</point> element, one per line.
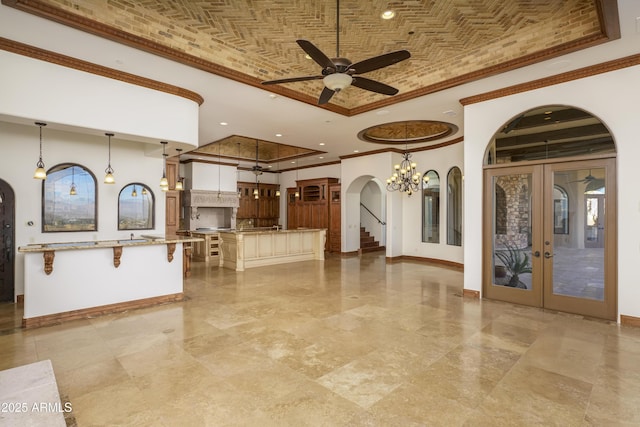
<point>587,179</point>
<point>338,73</point>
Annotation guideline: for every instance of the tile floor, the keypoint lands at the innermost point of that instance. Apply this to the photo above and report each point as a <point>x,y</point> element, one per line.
<point>348,342</point>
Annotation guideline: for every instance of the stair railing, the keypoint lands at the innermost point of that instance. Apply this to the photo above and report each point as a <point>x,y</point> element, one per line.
<point>373,215</point>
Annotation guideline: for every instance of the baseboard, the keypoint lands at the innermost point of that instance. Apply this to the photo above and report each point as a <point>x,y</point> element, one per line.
<point>20,299</point>
<point>439,262</point>
<point>57,318</point>
<point>630,321</point>
<point>471,293</point>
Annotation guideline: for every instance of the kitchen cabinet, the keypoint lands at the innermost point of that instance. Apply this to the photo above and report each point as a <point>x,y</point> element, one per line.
<point>264,210</point>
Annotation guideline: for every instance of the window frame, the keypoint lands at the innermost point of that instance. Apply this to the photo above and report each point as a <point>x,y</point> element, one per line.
<point>152,208</point>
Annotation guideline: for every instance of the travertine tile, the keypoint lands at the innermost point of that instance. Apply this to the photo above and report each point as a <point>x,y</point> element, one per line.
<point>344,342</point>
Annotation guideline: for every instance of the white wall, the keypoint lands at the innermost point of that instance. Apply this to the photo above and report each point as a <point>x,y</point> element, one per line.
<point>19,145</point>
<point>612,98</point>
<point>441,160</point>
<point>203,176</point>
<point>41,91</point>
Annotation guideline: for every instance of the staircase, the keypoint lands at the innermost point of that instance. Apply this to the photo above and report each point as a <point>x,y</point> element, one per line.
<point>367,242</point>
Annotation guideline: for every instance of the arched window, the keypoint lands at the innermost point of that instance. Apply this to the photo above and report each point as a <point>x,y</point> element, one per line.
<point>431,207</point>
<point>69,199</point>
<point>560,210</point>
<point>454,207</point>
<point>136,207</point>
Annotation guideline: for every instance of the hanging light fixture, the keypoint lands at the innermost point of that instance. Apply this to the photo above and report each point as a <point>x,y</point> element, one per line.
<point>219,194</point>
<point>297,193</point>
<point>144,191</point>
<point>72,190</point>
<point>164,183</point>
<point>40,172</point>
<point>405,177</point>
<point>257,170</point>
<point>134,193</point>
<point>278,166</point>
<point>179,185</point>
<point>108,178</point>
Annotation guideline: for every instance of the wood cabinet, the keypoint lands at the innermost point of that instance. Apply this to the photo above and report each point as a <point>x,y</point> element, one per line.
<point>172,199</point>
<point>264,210</point>
<point>312,208</point>
<point>209,249</point>
<point>334,218</point>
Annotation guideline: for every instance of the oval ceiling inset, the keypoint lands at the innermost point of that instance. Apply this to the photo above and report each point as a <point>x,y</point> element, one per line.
<point>407,132</point>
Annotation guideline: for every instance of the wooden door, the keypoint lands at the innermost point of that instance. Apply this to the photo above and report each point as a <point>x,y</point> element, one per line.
<point>292,213</point>
<point>7,242</point>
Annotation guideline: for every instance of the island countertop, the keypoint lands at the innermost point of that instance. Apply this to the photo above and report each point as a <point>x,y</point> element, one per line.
<point>98,244</point>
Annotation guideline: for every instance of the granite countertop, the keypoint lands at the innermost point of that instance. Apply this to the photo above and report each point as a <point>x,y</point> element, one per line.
<point>270,230</point>
<point>97,244</point>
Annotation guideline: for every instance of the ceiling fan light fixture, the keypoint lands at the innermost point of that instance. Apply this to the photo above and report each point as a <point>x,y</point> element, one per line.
<point>388,14</point>
<point>337,81</point>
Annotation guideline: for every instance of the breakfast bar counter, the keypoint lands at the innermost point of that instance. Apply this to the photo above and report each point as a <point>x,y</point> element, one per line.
<point>247,249</point>
<point>66,281</point>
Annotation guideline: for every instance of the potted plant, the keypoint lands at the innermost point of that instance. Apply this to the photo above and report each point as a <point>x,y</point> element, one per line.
<point>516,262</point>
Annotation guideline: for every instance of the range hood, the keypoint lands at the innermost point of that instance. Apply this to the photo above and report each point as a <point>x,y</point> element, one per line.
<point>210,209</point>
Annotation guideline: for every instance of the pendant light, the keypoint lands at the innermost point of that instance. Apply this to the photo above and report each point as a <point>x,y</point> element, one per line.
<point>72,190</point>
<point>297,193</point>
<point>164,183</point>
<point>278,166</point>
<point>108,178</point>
<point>179,185</point>
<point>134,193</point>
<point>40,172</point>
<point>144,191</point>
<point>219,165</point>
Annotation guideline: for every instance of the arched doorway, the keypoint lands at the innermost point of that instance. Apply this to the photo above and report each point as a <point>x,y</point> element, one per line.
<point>364,205</point>
<point>550,213</point>
<point>7,242</point>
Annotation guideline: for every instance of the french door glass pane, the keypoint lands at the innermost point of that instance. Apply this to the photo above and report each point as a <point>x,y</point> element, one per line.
<point>512,231</point>
<point>578,256</point>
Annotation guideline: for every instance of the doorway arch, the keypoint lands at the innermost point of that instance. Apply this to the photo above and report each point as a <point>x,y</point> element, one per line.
<point>352,212</point>
<point>535,248</point>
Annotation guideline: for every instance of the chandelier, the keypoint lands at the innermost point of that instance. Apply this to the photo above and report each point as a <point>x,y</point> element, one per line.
<point>405,178</point>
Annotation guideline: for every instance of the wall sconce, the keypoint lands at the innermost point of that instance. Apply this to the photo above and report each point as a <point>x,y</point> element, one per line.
<point>40,172</point>
<point>108,178</point>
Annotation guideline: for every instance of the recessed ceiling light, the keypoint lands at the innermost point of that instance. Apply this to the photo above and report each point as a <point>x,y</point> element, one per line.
<point>278,135</point>
<point>293,162</point>
<point>223,123</point>
<point>270,166</point>
<point>321,157</point>
<point>382,112</point>
<point>387,14</point>
<point>322,143</point>
<point>307,56</point>
<point>273,96</point>
<point>356,151</point>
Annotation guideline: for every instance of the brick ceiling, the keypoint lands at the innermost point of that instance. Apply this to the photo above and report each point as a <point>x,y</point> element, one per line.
<point>248,40</point>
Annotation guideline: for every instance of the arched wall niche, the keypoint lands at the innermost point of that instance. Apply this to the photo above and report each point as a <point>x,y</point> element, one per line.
<point>352,211</point>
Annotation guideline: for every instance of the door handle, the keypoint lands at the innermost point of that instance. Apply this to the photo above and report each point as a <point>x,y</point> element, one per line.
<point>547,255</point>
<point>536,254</point>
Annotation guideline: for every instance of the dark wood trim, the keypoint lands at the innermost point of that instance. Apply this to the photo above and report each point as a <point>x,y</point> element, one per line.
<point>20,299</point>
<point>629,321</point>
<point>440,262</point>
<point>609,30</point>
<point>84,313</point>
<point>88,67</point>
<point>402,151</point>
<point>605,67</point>
<point>471,293</point>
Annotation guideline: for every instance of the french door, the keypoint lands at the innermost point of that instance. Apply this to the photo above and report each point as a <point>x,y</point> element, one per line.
<point>550,236</point>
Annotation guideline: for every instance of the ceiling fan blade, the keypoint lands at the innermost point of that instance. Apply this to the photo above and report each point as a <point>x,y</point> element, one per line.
<point>378,62</point>
<point>291,80</point>
<point>325,96</point>
<point>373,86</point>
<point>316,54</point>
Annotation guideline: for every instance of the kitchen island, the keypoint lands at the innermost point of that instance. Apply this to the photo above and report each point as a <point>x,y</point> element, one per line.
<point>247,249</point>
<point>73,280</point>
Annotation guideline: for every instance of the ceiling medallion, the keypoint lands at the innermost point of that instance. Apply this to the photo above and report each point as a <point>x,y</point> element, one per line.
<point>407,132</point>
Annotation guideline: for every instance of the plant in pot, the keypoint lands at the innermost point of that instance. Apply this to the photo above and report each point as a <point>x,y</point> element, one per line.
<point>516,262</point>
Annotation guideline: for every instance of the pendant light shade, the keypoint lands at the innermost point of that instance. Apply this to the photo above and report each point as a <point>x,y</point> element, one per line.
<point>179,184</point>
<point>134,192</point>
<point>108,178</point>
<point>72,190</point>
<point>164,183</point>
<point>40,173</point>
